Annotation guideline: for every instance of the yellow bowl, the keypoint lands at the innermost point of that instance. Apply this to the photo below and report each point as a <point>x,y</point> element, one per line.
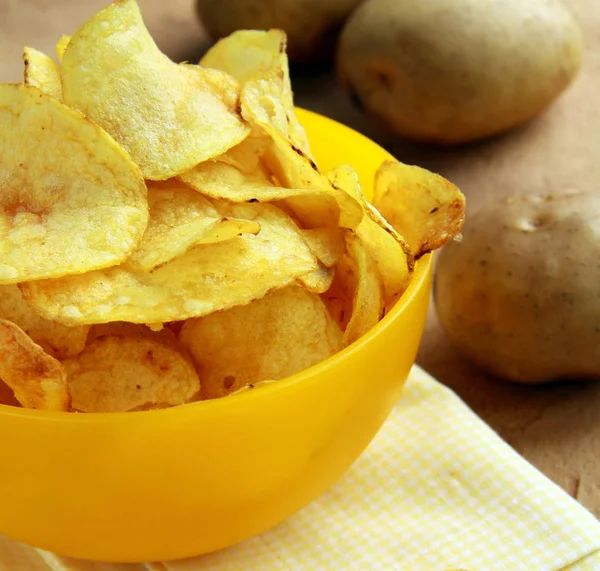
<point>167,484</point>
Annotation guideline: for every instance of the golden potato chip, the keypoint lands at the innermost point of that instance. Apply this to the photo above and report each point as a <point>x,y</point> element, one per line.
<point>57,340</point>
<point>179,219</point>
<point>338,298</point>
<point>42,72</point>
<point>119,373</point>
<point>169,117</point>
<point>426,208</point>
<point>385,245</point>
<point>318,281</point>
<point>71,200</point>
<point>61,46</point>
<point>246,53</point>
<point>281,334</point>
<point>37,379</point>
<point>368,301</point>
<point>207,278</point>
<point>326,243</point>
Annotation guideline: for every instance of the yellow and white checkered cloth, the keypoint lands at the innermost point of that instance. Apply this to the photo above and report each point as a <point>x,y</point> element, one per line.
<point>436,490</point>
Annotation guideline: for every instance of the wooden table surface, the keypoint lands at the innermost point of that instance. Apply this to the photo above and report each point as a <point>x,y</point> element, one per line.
<point>557,427</point>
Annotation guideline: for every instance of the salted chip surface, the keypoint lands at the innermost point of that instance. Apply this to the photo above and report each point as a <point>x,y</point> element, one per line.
<point>271,338</point>
<point>207,278</point>
<point>386,246</point>
<point>179,219</point>
<point>367,288</point>
<point>120,373</point>
<point>71,199</point>
<point>169,117</point>
<point>425,207</point>
<point>57,340</point>
<point>246,53</point>
<point>42,72</point>
<point>36,379</point>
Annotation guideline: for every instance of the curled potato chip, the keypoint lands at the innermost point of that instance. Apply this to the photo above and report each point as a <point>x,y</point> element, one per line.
<point>71,200</point>
<point>7,396</point>
<point>318,281</point>
<point>57,340</point>
<point>246,53</point>
<point>42,72</point>
<point>327,243</point>
<point>169,117</point>
<point>119,373</point>
<point>368,300</point>
<point>385,245</point>
<point>426,208</point>
<point>207,278</point>
<point>179,219</point>
<point>271,338</point>
<point>37,379</point>
<point>61,46</point>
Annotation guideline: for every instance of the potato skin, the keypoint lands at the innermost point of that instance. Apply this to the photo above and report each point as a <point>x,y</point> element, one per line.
<point>312,26</point>
<point>452,71</point>
<point>520,294</point>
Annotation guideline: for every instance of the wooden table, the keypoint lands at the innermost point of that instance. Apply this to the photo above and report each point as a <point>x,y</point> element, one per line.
<point>557,427</point>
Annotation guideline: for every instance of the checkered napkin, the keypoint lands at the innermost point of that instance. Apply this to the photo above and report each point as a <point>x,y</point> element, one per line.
<point>437,490</point>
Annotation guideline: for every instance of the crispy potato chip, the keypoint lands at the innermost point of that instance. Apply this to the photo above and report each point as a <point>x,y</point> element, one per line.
<point>57,340</point>
<point>71,200</point>
<point>426,208</point>
<point>338,298</point>
<point>119,373</point>
<point>246,53</point>
<point>318,281</point>
<point>281,334</point>
<point>61,46</point>
<point>37,379</point>
<point>169,117</point>
<point>179,219</point>
<point>327,243</point>
<point>42,72</point>
<point>240,176</point>
<point>385,245</point>
<point>207,278</point>
<point>368,300</point>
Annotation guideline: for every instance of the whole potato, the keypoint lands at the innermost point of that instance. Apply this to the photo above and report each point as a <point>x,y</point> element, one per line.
<point>451,71</point>
<point>312,26</point>
<point>520,293</point>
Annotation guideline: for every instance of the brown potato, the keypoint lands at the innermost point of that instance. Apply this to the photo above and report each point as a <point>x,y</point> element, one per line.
<point>519,293</point>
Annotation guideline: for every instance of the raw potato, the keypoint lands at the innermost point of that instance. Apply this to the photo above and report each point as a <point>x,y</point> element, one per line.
<point>452,71</point>
<point>311,25</point>
<point>519,294</point>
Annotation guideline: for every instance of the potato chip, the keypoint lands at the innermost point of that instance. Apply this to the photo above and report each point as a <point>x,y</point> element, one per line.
<point>57,340</point>
<point>71,200</point>
<point>37,379</point>
<point>169,117</point>
<point>246,53</point>
<point>318,281</point>
<point>61,46</point>
<point>338,298</point>
<point>42,72</point>
<point>207,278</point>
<point>119,373</point>
<point>385,245</point>
<point>327,243</point>
<point>426,208</point>
<point>179,219</point>
<point>281,334</point>
<point>368,300</point>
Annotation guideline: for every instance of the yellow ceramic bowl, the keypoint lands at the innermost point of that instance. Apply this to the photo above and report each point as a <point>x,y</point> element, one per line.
<point>172,483</point>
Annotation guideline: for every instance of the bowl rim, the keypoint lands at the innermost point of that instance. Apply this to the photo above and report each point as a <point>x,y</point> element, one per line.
<point>417,281</point>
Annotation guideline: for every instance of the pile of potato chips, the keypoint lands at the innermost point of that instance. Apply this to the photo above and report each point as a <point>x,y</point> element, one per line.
<point>165,234</point>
